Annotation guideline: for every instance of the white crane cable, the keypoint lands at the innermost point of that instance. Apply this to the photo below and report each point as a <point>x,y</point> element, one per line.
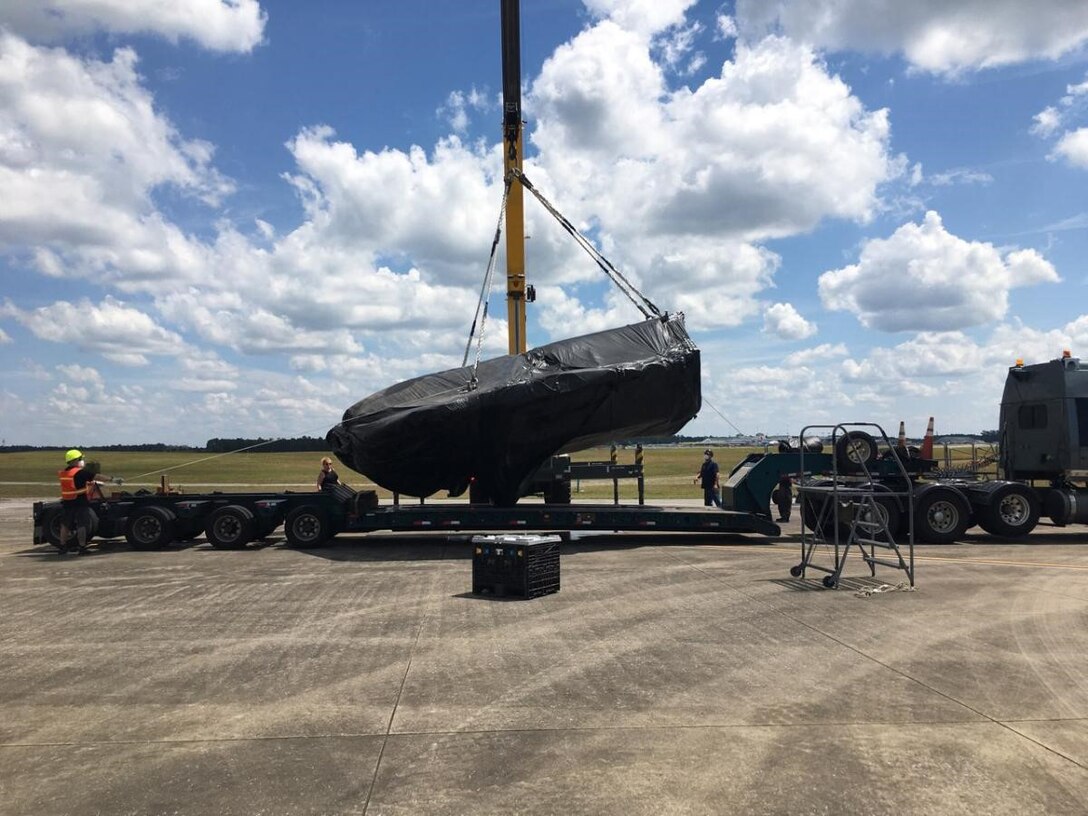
<point>642,303</point>
<point>485,292</point>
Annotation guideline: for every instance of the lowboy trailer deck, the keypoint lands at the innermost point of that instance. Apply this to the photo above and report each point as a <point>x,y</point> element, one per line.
<point>233,520</point>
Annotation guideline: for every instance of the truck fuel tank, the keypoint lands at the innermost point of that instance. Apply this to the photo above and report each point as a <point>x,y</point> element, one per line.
<point>1065,505</point>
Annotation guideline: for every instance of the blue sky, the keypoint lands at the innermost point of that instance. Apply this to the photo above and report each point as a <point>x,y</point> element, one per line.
<point>235,218</point>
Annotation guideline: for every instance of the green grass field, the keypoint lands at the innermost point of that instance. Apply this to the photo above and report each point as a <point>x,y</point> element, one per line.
<point>669,471</point>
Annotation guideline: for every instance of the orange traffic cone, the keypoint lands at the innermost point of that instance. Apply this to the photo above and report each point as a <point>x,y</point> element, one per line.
<point>902,443</point>
<point>927,443</point>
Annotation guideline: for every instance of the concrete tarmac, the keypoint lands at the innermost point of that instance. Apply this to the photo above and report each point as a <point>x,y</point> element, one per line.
<point>669,675</point>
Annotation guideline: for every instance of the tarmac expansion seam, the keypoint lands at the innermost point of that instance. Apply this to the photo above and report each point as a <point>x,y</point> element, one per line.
<point>396,704</point>
<point>881,663</point>
<point>941,558</point>
<point>539,730</point>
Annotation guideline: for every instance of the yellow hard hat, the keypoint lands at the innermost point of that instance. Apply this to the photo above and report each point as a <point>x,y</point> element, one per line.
<point>73,455</point>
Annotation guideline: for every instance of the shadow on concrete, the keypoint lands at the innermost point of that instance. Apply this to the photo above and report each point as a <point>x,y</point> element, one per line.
<point>407,547</point>
<point>470,596</point>
<point>107,546</point>
<point>815,582</point>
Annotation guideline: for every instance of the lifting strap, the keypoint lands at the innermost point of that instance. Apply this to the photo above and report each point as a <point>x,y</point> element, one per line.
<point>479,319</point>
<point>642,303</point>
<point>485,294</point>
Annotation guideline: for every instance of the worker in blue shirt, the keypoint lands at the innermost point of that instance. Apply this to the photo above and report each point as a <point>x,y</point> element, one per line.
<point>708,475</point>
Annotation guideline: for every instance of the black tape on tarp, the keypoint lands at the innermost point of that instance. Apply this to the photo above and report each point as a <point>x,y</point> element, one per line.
<point>435,432</point>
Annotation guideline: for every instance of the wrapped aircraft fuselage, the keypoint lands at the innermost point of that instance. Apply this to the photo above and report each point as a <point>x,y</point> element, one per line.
<point>438,432</point>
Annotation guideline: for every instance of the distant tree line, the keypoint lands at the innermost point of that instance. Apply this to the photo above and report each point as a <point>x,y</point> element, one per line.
<point>260,445</point>
<point>150,447</point>
<point>313,444</point>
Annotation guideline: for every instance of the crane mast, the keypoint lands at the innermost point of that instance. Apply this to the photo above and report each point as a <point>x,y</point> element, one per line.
<point>512,146</point>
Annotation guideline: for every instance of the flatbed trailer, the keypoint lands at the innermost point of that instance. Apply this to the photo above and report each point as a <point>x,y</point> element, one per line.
<point>233,520</point>
<point>559,517</point>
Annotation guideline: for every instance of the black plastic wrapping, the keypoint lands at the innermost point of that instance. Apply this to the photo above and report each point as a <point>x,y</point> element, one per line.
<point>434,433</point>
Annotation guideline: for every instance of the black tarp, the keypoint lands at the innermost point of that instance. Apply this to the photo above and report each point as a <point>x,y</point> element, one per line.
<point>434,433</point>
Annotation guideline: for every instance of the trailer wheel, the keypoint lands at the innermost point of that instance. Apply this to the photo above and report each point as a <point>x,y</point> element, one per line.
<point>230,527</point>
<point>150,528</point>
<point>1013,511</point>
<point>941,516</point>
<point>307,526</point>
<point>855,451</point>
<point>796,570</point>
<point>51,526</point>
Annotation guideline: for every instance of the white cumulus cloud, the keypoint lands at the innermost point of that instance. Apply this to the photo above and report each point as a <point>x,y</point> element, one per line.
<point>86,132</point>
<point>1073,147</point>
<point>682,184</point>
<point>934,35</point>
<point>643,16</point>
<point>112,329</point>
<point>1060,120</point>
<point>219,25</point>
<point>924,277</point>
<point>784,321</point>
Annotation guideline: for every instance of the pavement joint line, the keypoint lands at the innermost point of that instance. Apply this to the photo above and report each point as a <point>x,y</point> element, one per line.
<point>1048,719</point>
<point>941,558</point>
<point>1002,562</point>
<point>901,673</point>
<point>396,701</point>
<point>538,730</point>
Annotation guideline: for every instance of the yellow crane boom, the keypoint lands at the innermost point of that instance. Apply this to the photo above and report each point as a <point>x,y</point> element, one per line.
<point>512,152</point>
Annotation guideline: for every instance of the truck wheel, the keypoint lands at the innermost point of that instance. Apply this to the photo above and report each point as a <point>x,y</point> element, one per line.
<point>855,451</point>
<point>811,505</point>
<point>51,526</point>
<point>230,527</point>
<point>307,526</point>
<point>941,516</point>
<point>887,514</point>
<point>1013,511</point>
<point>150,528</point>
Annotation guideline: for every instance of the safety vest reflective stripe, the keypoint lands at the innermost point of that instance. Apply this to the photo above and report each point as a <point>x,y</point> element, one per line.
<point>68,489</point>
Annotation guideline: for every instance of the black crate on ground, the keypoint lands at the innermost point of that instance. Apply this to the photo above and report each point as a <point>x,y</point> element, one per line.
<point>524,566</point>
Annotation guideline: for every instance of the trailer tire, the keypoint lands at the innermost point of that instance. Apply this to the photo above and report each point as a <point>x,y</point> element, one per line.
<point>230,527</point>
<point>307,526</point>
<point>51,526</point>
<point>941,515</point>
<point>150,528</point>
<point>855,451</point>
<point>1013,511</point>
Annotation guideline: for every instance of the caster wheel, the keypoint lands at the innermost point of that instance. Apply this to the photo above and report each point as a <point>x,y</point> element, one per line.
<point>829,581</point>
<point>796,571</point>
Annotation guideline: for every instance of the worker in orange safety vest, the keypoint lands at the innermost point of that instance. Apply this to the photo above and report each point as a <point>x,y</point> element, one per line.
<point>76,484</point>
